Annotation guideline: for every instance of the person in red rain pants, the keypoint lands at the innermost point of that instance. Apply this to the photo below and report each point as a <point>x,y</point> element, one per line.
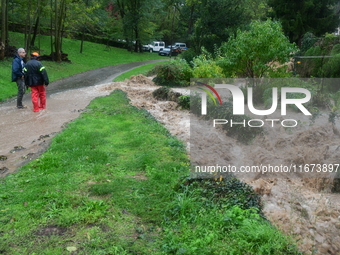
<point>37,79</point>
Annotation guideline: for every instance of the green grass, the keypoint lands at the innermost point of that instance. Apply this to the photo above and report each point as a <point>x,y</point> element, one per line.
<point>93,56</point>
<point>111,183</point>
<point>90,185</point>
<point>139,70</point>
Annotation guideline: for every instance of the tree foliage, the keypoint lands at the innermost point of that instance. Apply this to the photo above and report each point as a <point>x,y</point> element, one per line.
<point>300,17</point>
<point>135,15</point>
<point>250,52</point>
<point>214,21</point>
<point>199,23</point>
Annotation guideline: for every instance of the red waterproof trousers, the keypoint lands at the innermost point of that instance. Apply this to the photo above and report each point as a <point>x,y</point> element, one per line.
<point>38,97</point>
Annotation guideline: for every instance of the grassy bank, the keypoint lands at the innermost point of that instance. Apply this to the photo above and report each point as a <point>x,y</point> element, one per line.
<point>112,183</point>
<point>93,56</point>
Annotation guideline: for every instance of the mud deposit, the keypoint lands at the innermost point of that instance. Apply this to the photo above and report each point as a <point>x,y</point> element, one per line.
<point>302,207</point>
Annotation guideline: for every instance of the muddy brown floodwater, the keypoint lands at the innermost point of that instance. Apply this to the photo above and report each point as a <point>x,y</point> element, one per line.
<point>305,208</point>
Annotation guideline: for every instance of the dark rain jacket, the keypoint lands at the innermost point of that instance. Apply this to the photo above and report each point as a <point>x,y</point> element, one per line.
<point>17,67</point>
<point>35,73</point>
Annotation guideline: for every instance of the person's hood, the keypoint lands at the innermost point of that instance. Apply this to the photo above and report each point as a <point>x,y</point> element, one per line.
<point>17,56</point>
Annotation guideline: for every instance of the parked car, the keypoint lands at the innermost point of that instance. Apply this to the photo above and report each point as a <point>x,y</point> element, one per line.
<point>166,52</point>
<point>180,47</point>
<point>154,46</point>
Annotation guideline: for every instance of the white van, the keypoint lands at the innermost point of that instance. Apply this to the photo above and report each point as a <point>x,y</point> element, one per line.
<point>179,45</point>
<point>154,46</point>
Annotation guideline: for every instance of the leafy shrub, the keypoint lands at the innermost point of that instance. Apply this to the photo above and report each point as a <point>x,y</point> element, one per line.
<point>184,102</point>
<point>308,40</point>
<point>227,192</point>
<point>335,50</point>
<point>206,68</point>
<point>152,71</point>
<point>189,55</point>
<point>323,66</point>
<point>176,73</point>
<point>249,52</point>
<point>331,68</point>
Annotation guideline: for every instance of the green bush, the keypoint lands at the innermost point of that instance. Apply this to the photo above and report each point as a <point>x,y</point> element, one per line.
<point>308,40</point>
<point>184,102</point>
<point>206,68</point>
<point>322,66</point>
<point>331,68</point>
<point>249,52</point>
<point>175,73</point>
<point>227,192</point>
<point>188,55</point>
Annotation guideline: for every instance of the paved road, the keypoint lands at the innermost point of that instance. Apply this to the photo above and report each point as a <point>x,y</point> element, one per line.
<point>94,77</point>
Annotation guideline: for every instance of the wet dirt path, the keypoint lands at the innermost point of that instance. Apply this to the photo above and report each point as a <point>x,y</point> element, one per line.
<point>24,135</point>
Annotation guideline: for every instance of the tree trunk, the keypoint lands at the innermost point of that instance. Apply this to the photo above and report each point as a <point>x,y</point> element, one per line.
<point>83,32</point>
<point>30,42</point>
<point>6,24</point>
<point>28,26</point>
<point>56,35</point>
<point>191,20</point>
<point>82,42</point>
<point>35,30</point>
<point>3,42</point>
<point>52,31</point>
<point>59,23</point>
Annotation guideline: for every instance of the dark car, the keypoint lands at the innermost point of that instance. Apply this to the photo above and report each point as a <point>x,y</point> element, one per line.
<point>166,52</point>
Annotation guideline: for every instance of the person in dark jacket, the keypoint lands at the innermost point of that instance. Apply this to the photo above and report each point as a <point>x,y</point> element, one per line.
<point>18,64</point>
<point>37,79</point>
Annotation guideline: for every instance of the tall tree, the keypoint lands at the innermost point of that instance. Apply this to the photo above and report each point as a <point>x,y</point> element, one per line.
<point>36,20</point>
<point>4,28</point>
<point>83,18</point>
<point>136,15</point>
<point>257,9</point>
<point>300,17</point>
<point>59,9</point>
<point>214,21</point>
<point>170,25</point>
